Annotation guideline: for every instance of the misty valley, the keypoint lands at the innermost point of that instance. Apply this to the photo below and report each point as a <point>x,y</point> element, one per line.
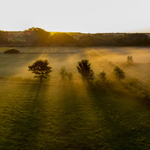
<point>67,112</point>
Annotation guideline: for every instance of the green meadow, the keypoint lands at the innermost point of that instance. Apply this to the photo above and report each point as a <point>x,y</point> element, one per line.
<point>72,115</point>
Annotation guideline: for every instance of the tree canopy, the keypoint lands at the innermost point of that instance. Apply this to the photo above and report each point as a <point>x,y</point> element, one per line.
<point>84,68</point>
<point>41,69</point>
<point>37,36</point>
<point>62,39</point>
<point>119,73</point>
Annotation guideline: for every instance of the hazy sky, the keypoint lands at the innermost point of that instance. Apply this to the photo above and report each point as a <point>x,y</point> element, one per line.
<point>76,15</point>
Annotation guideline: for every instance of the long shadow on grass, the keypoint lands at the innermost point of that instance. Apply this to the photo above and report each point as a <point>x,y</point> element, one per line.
<point>77,129</point>
<point>72,132</point>
<point>26,121</point>
<point>121,125</point>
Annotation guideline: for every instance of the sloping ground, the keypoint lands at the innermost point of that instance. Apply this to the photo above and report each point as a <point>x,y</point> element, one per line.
<point>70,116</point>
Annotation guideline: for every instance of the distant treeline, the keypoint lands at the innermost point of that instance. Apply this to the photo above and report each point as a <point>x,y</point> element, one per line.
<point>40,37</point>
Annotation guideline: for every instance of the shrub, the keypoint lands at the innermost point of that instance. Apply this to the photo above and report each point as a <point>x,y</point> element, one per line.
<point>119,73</point>
<point>64,74</point>
<point>129,59</point>
<point>102,76</point>
<point>69,75</point>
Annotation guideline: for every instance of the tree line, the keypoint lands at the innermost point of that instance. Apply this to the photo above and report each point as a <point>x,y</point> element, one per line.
<point>41,69</point>
<point>40,37</point>
<point>99,82</point>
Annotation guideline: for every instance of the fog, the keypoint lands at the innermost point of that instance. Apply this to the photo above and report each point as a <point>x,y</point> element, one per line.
<point>101,59</point>
<point>74,114</point>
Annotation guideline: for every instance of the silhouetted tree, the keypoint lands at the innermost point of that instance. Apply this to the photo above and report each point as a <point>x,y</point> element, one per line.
<point>102,76</point>
<point>37,36</point>
<point>130,59</point>
<point>64,74</point>
<point>119,73</point>
<point>41,69</point>
<point>62,39</point>
<point>84,68</point>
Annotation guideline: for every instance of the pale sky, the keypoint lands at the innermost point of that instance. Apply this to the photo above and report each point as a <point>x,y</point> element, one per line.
<point>87,16</point>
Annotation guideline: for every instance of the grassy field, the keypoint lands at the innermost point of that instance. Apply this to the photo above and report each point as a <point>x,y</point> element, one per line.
<point>70,115</point>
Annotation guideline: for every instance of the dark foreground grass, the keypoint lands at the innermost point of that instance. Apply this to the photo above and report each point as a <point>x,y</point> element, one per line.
<point>70,116</point>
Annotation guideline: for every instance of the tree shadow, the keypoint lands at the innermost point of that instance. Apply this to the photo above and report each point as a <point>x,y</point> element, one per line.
<point>72,132</point>
<point>26,121</point>
<point>79,125</point>
<point>121,123</point>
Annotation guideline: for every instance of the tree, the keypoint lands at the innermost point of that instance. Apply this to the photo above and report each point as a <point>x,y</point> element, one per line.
<point>62,39</point>
<point>102,76</point>
<point>37,36</point>
<point>41,69</point>
<point>65,74</point>
<point>84,68</point>
<point>129,59</point>
<point>3,37</point>
<point>119,73</point>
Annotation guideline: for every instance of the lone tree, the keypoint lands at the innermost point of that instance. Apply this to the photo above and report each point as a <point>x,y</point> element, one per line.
<point>41,69</point>
<point>84,68</point>
<point>119,73</point>
<point>129,59</point>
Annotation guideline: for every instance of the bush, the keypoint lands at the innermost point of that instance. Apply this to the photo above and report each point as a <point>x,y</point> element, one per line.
<point>102,76</point>
<point>129,59</point>
<point>65,75</point>
<point>119,73</point>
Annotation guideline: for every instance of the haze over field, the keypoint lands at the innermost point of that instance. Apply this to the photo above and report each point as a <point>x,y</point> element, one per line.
<point>70,114</point>
<point>101,59</point>
<point>98,93</point>
<point>93,16</point>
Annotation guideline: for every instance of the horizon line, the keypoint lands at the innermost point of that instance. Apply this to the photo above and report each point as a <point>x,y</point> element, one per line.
<point>80,32</point>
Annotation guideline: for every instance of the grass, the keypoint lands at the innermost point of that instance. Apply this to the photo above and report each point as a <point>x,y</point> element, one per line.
<point>64,116</point>
<point>68,115</point>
